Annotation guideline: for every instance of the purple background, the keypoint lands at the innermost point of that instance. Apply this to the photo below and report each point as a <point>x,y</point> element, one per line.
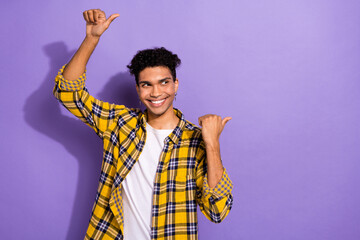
<point>286,71</point>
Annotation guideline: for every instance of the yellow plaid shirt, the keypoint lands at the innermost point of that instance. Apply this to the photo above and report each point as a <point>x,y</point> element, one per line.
<point>180,182</point>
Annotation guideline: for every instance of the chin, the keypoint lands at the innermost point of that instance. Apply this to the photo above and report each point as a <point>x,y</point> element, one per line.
<point>158,112</point>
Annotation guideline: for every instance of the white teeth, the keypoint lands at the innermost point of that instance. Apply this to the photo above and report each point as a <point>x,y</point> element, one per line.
<point>156,102</point>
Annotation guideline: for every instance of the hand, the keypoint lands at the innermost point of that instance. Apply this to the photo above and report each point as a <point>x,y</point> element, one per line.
<point>96,22</point>
<point>212,126</point>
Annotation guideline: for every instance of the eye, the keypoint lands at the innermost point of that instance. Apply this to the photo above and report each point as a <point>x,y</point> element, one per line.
<point>164,82</point>
<point>144,85</point>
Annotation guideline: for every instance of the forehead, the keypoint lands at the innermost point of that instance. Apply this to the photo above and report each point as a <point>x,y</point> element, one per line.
<point>154,73</point>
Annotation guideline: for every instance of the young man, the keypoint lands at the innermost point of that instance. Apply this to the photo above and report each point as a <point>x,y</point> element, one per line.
<point>156,165</point>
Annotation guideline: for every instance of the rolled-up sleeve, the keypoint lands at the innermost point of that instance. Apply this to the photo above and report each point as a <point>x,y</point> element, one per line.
<point>70,86</point>
<point>222,189</point>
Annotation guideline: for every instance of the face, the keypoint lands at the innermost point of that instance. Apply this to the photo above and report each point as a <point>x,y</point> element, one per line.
<point>157,90</point>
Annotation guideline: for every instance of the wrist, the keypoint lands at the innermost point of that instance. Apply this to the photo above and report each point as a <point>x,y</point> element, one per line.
<point>92,38</point>
<point>212,146</point>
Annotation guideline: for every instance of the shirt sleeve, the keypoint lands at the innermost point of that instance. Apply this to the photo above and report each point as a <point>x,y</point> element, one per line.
<point>74,96</point>
<point>215,203</point>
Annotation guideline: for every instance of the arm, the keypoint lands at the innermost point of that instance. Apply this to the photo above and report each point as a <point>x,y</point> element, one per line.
<point>70,82</point>
<point>213,183</point>
<point>212,126</point>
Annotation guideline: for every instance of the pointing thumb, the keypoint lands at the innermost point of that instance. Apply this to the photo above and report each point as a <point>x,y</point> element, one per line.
<point>225,120</point>
<point>112,18</point>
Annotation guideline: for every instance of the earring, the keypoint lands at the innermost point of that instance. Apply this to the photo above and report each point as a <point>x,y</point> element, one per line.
<point>175,96</point>
<point>139,102</point>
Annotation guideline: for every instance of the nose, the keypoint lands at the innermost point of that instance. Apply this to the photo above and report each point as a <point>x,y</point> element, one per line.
<point>155,91</point>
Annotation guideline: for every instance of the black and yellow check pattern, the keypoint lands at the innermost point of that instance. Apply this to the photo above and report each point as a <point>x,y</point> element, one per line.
<point>180,181</point>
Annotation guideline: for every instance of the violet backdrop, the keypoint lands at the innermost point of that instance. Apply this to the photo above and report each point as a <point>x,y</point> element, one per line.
<point>287,72</point>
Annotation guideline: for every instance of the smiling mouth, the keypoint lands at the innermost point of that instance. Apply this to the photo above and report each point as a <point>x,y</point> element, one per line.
<point>158,101</point>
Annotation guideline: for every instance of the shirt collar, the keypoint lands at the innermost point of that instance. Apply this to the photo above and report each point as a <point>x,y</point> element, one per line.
<point>175,135</point>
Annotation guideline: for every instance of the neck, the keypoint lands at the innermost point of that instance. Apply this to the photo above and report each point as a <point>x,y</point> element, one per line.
<point>168,120</point>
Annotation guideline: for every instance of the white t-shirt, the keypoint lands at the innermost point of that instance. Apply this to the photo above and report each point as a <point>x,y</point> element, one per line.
<point>138,186</point>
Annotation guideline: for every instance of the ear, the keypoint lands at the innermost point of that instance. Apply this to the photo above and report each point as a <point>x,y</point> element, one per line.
<point>137,89</point>
<point>176,84</point>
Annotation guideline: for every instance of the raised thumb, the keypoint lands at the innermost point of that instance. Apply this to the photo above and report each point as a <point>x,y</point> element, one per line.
<point>112,18</point>
<point>225,120</point>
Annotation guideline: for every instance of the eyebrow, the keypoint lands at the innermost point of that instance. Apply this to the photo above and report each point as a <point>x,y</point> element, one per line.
<point>161,80</point>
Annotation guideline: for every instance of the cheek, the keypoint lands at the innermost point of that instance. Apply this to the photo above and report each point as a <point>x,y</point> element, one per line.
<point>142,93</point>
<point>171,89</point>
<point>170,92</point>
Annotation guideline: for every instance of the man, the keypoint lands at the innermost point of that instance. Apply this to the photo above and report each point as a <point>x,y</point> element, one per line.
<point>156,166</point>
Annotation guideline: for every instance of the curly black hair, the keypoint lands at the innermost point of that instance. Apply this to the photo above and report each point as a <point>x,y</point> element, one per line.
<point>153,57</point>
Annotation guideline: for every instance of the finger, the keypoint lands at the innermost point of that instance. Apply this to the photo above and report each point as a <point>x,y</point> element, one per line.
<point>96,15</point>
<point>91,16</point>
<point>101,15</point>
<point>112,18</point>
<point>225,120</point>
<point>86,16</point>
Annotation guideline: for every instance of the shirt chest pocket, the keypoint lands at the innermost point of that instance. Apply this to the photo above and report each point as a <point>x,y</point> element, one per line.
<point>182,189</point>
